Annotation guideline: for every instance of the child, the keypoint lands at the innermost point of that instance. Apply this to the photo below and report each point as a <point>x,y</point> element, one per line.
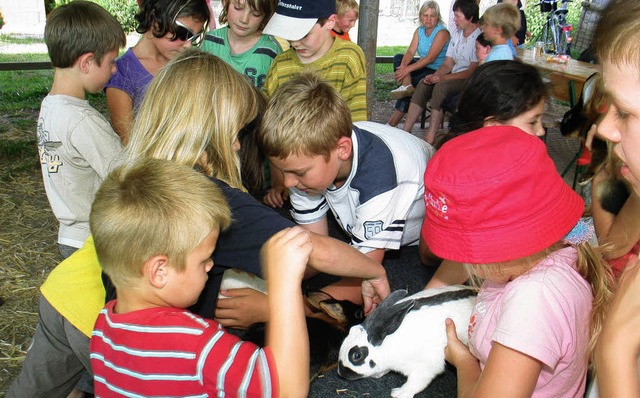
<point>307,26</point>
<point>483,47</point>
<point>499,23</point>
<point>155,225</point>
<point>347,12</point>
<point>520,104</point>
<point>496,203</point>
<point>617,45</point>
<point>241,43</point>
<point>166,27</point>
<point>76,144</point>
<point>367,174</point>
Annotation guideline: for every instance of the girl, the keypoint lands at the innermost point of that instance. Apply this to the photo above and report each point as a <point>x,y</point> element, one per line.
<point>520,104</point>
<point>430,41</point>
<point>241,43</point>
<point>167,27</point>
<point>496,203</point>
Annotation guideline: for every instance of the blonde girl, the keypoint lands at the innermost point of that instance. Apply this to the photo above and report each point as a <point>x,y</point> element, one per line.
<point>496,203</point>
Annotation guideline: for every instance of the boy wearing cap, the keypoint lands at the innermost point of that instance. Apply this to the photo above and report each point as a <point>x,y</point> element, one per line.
<point>307,26</point>
<point>368,174</point>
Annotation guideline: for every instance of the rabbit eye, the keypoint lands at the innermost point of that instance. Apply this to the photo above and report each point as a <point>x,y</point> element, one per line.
<point>359,314</point>
<point>358,354</point>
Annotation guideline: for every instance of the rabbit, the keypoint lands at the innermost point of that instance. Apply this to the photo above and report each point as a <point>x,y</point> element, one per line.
<point>407,335</point>
<point>327,325</point>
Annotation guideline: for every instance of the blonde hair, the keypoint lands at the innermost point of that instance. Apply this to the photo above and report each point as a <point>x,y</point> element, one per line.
<point>305,116</point>
<point>152,207</point>
<point>590,265</point>
<point>344,6</point>
<point>430,5</point>
<point>192,113</point>
<point>505,16</point>
<point>616,38</point>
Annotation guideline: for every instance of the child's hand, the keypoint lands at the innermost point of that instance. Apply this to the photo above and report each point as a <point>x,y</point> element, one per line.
<point>373,292</point>
<point>286,253</point>
<point>455,352</point>
<point>242,308</point>
<point>275,197</point>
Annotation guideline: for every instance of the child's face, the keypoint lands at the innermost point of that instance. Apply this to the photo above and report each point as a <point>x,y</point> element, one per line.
<point>530,121</point>
<point>184,288</point>
<point>429,18</point>
<point>100,74</point>
<point>621,123</point>
<point>316,43</point>
<point>170,48</point>
<point>243,21</point>
<point>310,174</point>
<point>482,52</point>
<point>346,22</point>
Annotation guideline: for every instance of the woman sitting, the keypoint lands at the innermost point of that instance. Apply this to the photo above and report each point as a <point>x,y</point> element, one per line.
<point>450,78</point>
<point>431,41</point>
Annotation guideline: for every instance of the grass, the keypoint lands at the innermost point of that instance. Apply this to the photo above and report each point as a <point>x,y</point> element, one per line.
<point>14,39</point>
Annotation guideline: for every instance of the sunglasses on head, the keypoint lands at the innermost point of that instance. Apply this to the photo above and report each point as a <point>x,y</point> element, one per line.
<point>182,33</point>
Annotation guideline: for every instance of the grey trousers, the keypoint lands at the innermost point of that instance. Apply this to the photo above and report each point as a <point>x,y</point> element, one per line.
<point>57,358</point>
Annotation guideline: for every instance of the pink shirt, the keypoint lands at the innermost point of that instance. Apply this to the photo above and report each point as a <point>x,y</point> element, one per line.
<point>543,313</point>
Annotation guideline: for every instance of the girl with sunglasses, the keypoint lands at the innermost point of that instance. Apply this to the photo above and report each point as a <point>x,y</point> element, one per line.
<point>167,27</point>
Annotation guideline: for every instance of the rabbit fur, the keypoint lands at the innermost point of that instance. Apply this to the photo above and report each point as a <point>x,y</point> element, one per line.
<point>407,335</point>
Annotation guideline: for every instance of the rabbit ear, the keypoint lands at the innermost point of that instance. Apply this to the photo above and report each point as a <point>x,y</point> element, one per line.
<point>386,319</point>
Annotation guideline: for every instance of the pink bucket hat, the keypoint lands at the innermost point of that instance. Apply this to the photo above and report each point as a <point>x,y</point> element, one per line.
<point>494,195</point>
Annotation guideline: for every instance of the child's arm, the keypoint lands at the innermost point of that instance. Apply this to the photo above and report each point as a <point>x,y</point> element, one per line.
<point>522,370</point>
<point>616,354</point>
<point>320,227</point>
<point>285,257</point>
<point>621,231</point>
<point>121,109</point>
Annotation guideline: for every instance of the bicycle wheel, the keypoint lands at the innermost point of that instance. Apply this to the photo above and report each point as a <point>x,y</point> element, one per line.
<point>548,38</point>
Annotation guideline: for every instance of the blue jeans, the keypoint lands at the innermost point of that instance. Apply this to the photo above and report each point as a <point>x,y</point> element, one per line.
<point>403,103</point>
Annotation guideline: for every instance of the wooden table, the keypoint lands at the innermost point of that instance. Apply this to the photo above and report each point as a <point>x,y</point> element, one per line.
<point>566,79</point>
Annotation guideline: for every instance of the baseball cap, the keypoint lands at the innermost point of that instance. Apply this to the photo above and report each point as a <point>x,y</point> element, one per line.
<point>494,195</point>
<point>294,19</point>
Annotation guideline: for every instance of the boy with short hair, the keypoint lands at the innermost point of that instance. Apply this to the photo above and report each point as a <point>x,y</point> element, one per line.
<point>76,143</point>
<point>307,26</point>
<point>347,12</point>
<point>368,174</point>
<point>499,23</point>
<point>155,224</point>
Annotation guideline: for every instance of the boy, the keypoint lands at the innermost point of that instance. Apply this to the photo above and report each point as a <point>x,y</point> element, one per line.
<point>347,12</point>
<point>369,175</point>
<point>307,26</point>
<point>76,144</point>
<point>617,43</point>
<point>499,23</point>
<point>155,224</point>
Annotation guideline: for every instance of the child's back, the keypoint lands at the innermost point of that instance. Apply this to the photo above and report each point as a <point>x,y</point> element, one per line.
<point>76,144</point>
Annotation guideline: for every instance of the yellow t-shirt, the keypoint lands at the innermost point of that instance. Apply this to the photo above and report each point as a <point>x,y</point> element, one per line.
<point>74,288</point>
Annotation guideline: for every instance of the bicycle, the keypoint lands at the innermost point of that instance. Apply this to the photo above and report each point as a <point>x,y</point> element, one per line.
<point>556,33</point>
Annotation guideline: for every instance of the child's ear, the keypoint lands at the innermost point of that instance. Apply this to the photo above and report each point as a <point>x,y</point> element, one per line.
<point>345,148</point>
<point>490,121</point>
<point>84,62</point>
<point>331,22</point>
<point>156,270</point>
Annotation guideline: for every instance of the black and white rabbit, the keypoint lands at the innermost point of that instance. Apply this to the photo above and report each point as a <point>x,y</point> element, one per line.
<point>407,335</point>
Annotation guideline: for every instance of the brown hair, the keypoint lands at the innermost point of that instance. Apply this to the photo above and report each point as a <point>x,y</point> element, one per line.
<point>617,37</point>
<point>265,7</point>
<point>81,27</point>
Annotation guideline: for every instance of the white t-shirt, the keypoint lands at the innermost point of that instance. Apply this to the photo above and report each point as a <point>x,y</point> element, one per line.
<point>463,49</point>
<point>381,203</point>
<point>77,149</point>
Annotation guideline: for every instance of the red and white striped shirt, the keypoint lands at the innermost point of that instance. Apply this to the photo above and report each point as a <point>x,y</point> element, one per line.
<point>172,352</point>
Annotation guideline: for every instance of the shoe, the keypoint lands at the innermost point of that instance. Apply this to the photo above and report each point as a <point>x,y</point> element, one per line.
<point>402,91</point>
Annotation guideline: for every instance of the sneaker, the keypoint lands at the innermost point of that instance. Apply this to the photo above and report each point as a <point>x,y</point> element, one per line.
<point>402,91</point>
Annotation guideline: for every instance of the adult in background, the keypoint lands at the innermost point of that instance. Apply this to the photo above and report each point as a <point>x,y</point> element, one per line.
<point>430,41</point>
